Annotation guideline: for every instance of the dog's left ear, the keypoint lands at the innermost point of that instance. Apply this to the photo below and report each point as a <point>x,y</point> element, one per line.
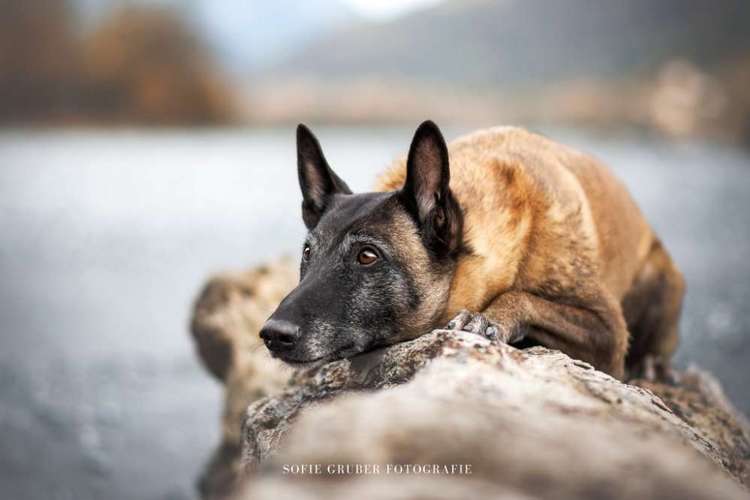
<point>426,192</point>
<point>317,180</point>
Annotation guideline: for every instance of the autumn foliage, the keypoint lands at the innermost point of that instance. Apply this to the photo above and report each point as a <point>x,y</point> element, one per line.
<point>139,65</point>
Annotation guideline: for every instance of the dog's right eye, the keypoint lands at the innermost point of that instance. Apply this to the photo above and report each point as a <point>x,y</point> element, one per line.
<point>367,256</point>
<point>306,253</point>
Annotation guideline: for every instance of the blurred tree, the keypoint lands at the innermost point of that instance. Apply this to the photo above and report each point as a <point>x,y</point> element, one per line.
<point>144,65</point>
<point>39,60</point>
<point>140,65</point>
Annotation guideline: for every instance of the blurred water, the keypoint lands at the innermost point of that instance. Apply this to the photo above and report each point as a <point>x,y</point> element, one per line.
<point>106,237</point>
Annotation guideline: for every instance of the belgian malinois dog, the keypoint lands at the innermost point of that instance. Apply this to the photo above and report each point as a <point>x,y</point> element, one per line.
<point>504,233</point>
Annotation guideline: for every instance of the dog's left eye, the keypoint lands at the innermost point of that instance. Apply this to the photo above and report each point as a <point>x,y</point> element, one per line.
<point>306,253</point>
<point>366,257</point>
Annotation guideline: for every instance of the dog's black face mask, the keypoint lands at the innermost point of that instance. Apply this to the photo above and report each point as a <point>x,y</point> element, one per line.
<point>375,266</point>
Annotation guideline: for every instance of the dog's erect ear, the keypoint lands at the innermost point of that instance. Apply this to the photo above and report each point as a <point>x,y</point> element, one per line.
<point>316,179</point>
<point>426,192</point>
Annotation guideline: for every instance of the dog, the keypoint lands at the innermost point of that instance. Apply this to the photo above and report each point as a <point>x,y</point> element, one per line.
<point>504,233</point>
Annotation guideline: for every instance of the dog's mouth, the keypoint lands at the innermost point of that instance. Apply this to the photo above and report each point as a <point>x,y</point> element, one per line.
<point>345,351</point>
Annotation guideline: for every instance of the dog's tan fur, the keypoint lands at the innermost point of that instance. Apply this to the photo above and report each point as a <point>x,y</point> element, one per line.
<point>558,245</point>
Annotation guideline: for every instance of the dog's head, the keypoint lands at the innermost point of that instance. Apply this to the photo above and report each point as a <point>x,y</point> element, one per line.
<point>376,267</point>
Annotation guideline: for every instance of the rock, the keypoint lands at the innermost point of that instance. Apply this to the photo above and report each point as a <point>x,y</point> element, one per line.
<point>529,423</point>
<point>227,317</point>
<point>230,310</point>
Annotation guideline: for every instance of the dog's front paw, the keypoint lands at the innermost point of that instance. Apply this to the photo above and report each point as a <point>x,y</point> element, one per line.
<point>478,323</point>
<point>475,323</point>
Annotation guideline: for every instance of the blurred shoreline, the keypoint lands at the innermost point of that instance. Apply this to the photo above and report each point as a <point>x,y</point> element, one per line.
<point>680,102</point>
<point>146,65</point>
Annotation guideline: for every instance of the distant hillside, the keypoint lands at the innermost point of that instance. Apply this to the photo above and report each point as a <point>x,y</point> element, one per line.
<point>514,42</point>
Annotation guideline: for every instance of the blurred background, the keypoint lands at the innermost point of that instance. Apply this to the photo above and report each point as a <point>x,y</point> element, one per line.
<point>147,144</point>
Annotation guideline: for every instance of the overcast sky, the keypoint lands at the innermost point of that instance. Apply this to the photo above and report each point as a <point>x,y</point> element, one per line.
<point>383,9</point>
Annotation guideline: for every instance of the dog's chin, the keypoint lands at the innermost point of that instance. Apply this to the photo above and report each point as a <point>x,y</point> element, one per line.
<point>315,361</point>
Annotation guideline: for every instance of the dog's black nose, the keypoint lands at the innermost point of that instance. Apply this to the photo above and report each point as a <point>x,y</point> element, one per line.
<point>279,335</point>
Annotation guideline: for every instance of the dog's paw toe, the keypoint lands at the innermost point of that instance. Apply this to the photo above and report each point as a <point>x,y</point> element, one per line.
<point>474,323</point>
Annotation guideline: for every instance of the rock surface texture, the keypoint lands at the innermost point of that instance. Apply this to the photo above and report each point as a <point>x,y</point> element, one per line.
<point>528,423</point>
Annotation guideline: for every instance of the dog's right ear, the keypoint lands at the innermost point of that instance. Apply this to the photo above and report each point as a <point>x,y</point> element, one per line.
<point>316,179</point>
<point>426,192</point>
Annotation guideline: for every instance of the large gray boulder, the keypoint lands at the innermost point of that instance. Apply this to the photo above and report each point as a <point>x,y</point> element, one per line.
<point>512,423</point>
